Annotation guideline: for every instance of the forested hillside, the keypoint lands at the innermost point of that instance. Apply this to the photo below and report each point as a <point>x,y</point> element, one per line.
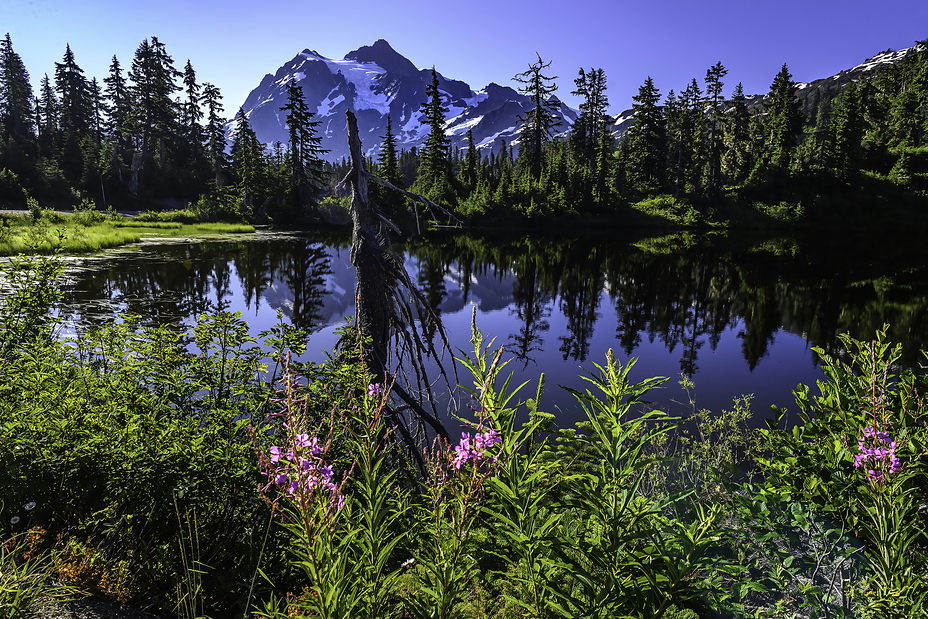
<point>151,136</point>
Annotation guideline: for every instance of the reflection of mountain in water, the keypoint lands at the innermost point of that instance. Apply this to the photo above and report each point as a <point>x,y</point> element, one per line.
<point>314,291</point>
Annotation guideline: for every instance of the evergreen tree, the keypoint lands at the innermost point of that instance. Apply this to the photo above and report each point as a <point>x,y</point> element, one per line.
<point>117,106</point>
<point>647,140</point>
<point>694,137</point>
<point>16,97</point>
<point>847,132</point>
<point>154,116</point>
<point>389,170</point>
<point>47,117</point>
<point>386,160</point>
<point>585,133</point>
<point>540,120</point>
<point>191,117</point>
<point>74,107</point>
<point>602,189</point>
<point>470,162</point>
<point>247,155</point>
<point>97,107</point>
<point>307,179</point>
<point>434,171</point>
<point>714,119</point>
<point>905,124</point>
<point>783,123</point>
<point>215,137</point>
<point>73,114</point>
<point>736,137</point>
<point>674,121</point>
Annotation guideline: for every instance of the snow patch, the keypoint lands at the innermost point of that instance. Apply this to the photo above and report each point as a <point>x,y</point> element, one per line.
<point>887,57</point>
<point>326,105</point>
<point>489,141</point>
<point>363,76</point>
<point>463,126</point>
<point>478,97</point>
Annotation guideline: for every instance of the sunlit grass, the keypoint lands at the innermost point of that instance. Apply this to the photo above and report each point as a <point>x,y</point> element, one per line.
<point>72,234</point>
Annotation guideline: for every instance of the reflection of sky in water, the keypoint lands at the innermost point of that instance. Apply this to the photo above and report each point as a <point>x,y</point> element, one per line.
<point>722,374</point>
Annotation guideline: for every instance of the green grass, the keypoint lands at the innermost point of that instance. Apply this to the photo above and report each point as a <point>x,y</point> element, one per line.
<point>69,233</point>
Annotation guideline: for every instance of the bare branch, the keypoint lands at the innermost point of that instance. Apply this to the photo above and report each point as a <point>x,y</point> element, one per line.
<point>415,196</point>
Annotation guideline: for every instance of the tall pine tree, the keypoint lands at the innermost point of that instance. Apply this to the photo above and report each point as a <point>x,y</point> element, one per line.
<point>538,124</point>
<point>736,137</point>
<point>248,161</point>
<point>215,137</point>
<point>584,137</point>
<point>73,114</point>
<point>434,170</point>
<point>847,132</point>
<point>783,123</point>
<point>154,118</point>
<point>307,177</point>
<point>646,149</point>
<point>16,100</point>
<point>714,119</point>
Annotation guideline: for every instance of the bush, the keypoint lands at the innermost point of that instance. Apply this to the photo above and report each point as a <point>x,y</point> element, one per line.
<point>223,204</point>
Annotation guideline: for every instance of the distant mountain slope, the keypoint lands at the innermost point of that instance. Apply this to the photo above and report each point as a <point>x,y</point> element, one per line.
<point>807,90</point>
<point>375,81</point>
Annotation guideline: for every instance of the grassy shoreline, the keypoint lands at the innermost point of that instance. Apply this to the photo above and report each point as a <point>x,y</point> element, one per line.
<point>87,232</point>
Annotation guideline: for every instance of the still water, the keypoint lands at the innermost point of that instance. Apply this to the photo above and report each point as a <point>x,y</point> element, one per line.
<point>738,313</point>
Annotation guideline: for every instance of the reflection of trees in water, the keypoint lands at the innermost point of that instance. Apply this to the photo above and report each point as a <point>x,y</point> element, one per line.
<point>686,290</point>
<point>304,272</point>
<point>173,282</point>
<point>683,293</point>
<point>222,286</point>
<point>580,294</point>
<point>678,299</point>
<point>531,307</point>
<point>430,280</point>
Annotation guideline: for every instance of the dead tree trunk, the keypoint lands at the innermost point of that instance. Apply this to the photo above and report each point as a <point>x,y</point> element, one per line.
<point>380,309</point>
<point>372,313</point>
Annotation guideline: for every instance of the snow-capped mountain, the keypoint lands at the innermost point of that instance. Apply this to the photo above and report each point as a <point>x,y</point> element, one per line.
<point>375,81</point>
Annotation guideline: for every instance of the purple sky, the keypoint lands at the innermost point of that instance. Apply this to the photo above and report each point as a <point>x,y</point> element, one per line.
<point>233,44</point>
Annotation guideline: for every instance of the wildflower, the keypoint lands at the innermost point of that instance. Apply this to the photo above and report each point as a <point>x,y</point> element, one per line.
<point>14,519</point>
<point>30,506</point>
<point>875,450</point>
<point>373,389</point>
<point>275,455</point>
<point>477,449</point>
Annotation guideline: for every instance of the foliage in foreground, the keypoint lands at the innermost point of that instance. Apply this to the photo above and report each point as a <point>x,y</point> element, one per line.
<point>163,467</point>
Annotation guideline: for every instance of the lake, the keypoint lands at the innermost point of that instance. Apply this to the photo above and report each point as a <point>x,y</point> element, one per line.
<point>738,312</point>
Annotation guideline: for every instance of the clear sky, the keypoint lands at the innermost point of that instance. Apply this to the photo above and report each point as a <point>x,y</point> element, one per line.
<point>233,44</point>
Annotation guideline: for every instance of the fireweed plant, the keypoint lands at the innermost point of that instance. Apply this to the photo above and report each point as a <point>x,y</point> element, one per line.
<point>858,459</point>
<point>346,526</point>
<point>299,488</point>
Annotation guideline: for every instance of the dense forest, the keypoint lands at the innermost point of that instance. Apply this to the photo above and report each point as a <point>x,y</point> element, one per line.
<point>154,137</point>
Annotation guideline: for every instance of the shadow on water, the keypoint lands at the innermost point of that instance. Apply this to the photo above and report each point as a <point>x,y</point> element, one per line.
<point>737,312</point>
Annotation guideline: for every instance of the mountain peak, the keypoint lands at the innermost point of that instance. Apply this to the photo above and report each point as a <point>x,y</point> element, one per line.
<point>384,56</point>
